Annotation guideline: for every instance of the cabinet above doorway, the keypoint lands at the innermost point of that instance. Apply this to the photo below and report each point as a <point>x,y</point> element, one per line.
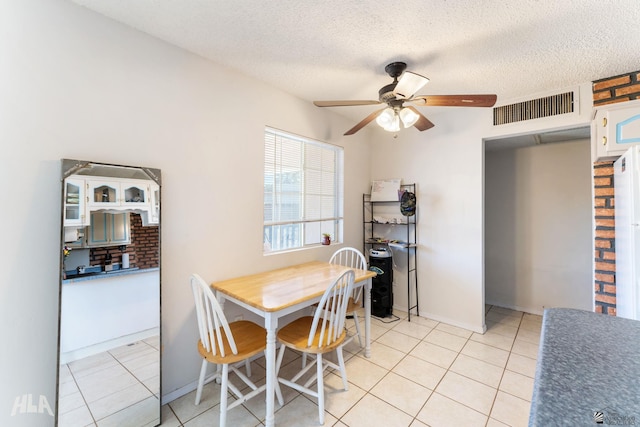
<point>615,128</point>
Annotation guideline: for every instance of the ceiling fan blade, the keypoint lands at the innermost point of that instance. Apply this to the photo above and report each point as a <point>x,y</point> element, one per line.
<point>423,123</point>
<point>371,117</point>
<point>343,103</point>
<point>409,84</point>
<point>455,100</point>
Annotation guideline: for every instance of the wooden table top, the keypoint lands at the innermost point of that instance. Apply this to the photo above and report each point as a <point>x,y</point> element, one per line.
<point>278,289</point>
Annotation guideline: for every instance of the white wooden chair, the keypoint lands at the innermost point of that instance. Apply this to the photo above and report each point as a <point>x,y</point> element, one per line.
<point>353,258</point>
<point>320,334</point>
<point>225,344</point>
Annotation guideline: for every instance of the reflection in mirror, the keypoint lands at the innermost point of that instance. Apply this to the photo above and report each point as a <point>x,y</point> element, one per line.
<point>109,324</point>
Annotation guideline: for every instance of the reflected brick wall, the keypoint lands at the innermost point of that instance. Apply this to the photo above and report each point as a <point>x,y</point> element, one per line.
<point>143,251</point>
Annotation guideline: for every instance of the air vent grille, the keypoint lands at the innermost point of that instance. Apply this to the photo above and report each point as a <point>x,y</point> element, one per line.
<point>534,109</point>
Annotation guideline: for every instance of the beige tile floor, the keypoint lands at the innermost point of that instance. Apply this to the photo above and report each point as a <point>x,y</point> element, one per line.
<point>421,373</point>
<point>109,387</point>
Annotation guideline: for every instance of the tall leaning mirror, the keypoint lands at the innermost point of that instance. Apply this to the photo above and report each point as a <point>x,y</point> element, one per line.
<point>109,324</point>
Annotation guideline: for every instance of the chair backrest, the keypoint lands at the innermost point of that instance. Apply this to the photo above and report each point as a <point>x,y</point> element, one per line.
<point>349,257</point>
<point>353,258</point>
<point>211,319</point>
<point>331,311</point>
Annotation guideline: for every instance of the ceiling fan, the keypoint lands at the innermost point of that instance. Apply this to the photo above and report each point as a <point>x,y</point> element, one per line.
<point>400,91</point>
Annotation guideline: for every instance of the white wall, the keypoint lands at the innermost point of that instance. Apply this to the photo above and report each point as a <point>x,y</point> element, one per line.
<point>74,84</point>
<point>446,164</point>
<point>538,222</point>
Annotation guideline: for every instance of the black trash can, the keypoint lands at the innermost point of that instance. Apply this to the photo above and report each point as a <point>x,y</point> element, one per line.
<point>381,261</point>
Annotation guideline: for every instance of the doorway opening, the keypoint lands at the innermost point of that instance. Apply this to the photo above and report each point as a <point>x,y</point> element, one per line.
<point>538,221</point>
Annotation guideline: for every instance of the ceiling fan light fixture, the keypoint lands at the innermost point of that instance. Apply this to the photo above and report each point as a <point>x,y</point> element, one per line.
<point>408,117</point>
<point>403,89</point>
<point>394,126</point>
<point>409,84</point>
<point>385,118</point>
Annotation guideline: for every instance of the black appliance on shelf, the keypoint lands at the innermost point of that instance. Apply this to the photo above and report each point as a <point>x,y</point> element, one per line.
<point>381,262</point>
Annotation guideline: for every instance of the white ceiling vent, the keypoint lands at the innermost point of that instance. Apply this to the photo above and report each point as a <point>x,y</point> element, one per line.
<point>547,106</point>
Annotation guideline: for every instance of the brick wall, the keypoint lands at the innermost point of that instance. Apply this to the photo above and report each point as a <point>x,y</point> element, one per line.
<point>145,242</point>
<point>625,87</point>
<point>616,89</point>
<point>605,255</point>
<point>143,251</point>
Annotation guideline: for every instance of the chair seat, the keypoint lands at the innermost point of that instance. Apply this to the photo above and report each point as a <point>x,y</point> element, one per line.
<point>353,305</point>
<point>296,335</point>
<point>250,339</point>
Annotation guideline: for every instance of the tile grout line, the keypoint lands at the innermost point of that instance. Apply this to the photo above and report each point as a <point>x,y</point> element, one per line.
<point>84,399</point>
<point>447,370</point>
<point>495,397</point>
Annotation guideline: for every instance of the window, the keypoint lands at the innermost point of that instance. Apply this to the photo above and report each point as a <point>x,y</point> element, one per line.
<point>303,191</point>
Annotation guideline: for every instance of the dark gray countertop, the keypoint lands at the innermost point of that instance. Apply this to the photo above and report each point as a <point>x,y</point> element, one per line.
<point>587,363</point>
<point>104,275</point>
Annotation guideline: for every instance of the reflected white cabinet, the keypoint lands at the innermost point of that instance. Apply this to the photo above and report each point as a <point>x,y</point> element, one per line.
<point>103,193</point>
<point>117,194</point>
<point>153,215</point>
<point>74,203</point>
<point>614,129</point>
<point>85,195</point>
<point>108,230</point>
<point>135,194</point>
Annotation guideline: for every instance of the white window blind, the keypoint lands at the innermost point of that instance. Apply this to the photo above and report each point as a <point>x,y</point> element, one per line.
<point>303,191</point>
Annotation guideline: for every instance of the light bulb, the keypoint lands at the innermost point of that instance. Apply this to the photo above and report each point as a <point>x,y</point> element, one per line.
<point>386,117</point>
<point>409,117</point>
<point>394,126</point>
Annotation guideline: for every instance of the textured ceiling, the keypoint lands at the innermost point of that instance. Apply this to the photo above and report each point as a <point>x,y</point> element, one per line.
<point>337,49</point>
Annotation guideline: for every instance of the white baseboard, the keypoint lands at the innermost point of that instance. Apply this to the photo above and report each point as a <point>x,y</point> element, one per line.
<point>446,320</point>
<point>81,353</point>
<point>188,388</point>
<point>517,308</point>
<point>175,394</point>
<point>474,328</point>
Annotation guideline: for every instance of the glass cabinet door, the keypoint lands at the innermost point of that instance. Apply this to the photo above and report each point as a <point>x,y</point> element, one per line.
<point>154,214</point>
<point>74,210</point>
<point>135,194</point>
<point>103,193</point>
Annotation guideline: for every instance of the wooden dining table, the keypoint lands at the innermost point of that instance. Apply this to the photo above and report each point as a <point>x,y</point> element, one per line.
<point>277,293</point>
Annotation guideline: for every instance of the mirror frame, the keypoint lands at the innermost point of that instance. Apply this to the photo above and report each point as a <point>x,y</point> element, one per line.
<point>70,167</point>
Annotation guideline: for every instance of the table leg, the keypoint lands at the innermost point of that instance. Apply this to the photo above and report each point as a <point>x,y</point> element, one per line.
<point>270,324</point>
<point>367,318</point>
<point>218,368</point>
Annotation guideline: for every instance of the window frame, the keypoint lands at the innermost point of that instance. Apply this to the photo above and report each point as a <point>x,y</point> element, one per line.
<point>313,171</point>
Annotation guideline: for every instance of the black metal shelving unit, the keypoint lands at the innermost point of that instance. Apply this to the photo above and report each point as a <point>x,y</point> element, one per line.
<point>369,225</point>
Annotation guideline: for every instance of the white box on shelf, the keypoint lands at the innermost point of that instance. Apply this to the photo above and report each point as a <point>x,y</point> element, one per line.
<point>385,190</point>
